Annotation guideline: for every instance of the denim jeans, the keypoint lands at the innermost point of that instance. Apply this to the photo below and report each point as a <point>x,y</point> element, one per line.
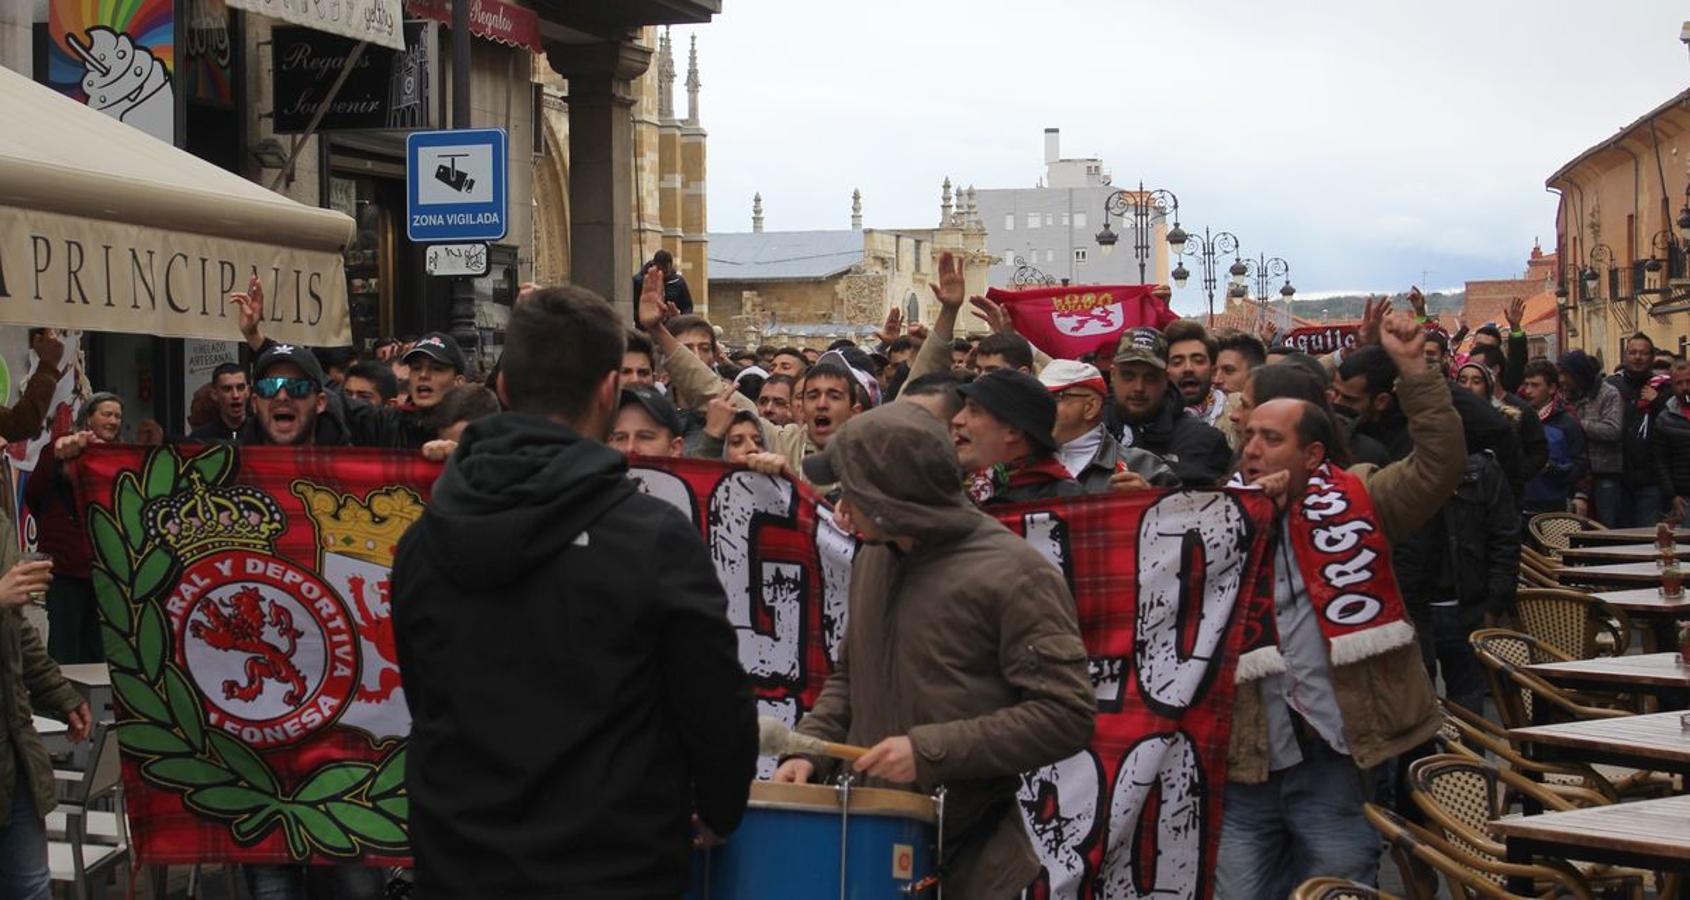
<point>1643,508</point>
<point>1607,499</point>
<point>1464,678</point>
<point>302,883</point>
<point>23,847</point>
<point>1303,821</point>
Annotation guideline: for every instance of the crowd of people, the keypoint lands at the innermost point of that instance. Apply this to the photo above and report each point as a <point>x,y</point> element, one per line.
<point>1448,443</point>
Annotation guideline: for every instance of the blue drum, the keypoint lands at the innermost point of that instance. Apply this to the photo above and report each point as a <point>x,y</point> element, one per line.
<point>803,841</point>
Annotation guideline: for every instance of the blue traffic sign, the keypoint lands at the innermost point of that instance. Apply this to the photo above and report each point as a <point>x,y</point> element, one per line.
<point>455,185</point>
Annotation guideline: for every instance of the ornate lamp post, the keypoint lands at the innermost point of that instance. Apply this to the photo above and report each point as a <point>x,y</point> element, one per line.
<point>1600,255</point>
<point>1027,275</point>
<point>1266,269</point>
<point>1139,204</point>
<point>1204,250</point>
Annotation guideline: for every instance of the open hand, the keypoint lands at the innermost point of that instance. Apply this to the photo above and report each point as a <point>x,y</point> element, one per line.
<point>894,323</point>
<point>993,314</point>
<point>654,310</point>
<point>1372,317</point>
<point>1516,313</point>
<point>1417,300</point>
<point>952,287</point>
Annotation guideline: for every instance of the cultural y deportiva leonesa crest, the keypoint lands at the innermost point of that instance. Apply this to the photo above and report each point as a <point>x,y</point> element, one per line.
<point>248,627</point>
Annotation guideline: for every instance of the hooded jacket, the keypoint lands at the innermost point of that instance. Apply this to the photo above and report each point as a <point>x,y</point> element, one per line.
<point>1599,409</point>
<point>969,644</point>
<point>574,685</point>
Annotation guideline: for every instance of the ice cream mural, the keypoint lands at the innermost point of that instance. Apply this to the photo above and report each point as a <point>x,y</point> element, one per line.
<point>117,56</point>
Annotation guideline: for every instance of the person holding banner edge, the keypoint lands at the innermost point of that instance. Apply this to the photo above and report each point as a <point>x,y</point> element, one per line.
<point>1333,684</point>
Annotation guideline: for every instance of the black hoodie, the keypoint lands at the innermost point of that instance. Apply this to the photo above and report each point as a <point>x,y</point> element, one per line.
<point>574,685</point>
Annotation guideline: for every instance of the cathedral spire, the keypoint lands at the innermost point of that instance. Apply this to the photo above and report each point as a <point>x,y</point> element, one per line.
<point>693,83</point>
<point>757,213</point>
<point>666,77</point>
<point>945,206</point>
<point>857,210</point>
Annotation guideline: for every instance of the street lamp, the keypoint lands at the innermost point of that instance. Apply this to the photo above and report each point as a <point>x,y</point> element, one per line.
<point>1138,205</point>
<point>1684,215</point>
<point>1602,255</point>
<point>1204,250</point>
<point>1266,269</point>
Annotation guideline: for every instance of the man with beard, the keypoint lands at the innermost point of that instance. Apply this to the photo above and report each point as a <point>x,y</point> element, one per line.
<point>1152,414</point>
<point>1364,385</point>
<point>1191,359</point>
<point>434,365</point>
<point>538,559</point>
<point>232,391</point>
<point>1642,500</point>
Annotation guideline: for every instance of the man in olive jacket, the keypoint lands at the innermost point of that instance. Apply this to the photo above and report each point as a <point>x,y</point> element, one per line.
<point>32,683</point>
<point>963,664</point>
<point>1306,723</point>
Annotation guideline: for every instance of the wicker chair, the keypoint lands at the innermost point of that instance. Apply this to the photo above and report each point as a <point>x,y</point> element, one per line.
<point>1550,530</point>
<point>1461,796</point>
<point>1505,654</point>
<point>1467,875</point>
<point>1469,734</point>
<point>1337,889</point>
<point>1573,622</point>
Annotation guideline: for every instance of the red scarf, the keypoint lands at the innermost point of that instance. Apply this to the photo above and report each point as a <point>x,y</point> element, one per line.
<point>1345,562</point>
<point>1549,410</point>
<point>994,480</point>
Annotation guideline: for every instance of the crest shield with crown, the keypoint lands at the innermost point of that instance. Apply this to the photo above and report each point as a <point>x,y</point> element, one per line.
<point>203,521</point>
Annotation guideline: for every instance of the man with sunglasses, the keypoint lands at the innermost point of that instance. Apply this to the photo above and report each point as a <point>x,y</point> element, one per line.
<point>289,403</point>
<point>435,361</point>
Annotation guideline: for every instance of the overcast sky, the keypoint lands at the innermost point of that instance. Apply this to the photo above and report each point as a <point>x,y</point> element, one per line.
<point>1363,142</point>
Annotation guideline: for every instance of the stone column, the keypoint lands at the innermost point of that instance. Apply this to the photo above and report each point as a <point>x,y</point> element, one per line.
<point>601,157</point>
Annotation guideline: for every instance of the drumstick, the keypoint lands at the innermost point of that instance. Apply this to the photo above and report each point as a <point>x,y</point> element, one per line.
<point>775,739</point>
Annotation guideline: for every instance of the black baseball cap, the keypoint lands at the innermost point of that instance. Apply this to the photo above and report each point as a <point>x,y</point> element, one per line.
<point>299,356</point>
<point>440,347</point>
<point>655,404</point>
<point>1019,400</point>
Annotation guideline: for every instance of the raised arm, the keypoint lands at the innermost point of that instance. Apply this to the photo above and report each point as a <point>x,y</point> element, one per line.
<point>1401,491</point>
<point>935,353</point>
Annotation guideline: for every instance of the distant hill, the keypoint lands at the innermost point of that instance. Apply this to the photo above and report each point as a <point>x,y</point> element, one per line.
<point>1350,306</point>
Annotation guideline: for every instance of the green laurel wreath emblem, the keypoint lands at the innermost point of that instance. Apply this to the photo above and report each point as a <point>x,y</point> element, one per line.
<point>340,809</point>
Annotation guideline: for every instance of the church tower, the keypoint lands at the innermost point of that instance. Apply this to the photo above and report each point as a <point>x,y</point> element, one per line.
<point>694,256</point>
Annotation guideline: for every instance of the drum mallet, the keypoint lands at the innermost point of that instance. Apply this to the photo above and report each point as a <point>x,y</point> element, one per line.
<point>774,738</point>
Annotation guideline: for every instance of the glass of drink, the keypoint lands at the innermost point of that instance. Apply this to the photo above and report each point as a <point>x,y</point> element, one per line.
<point>38,598</point>
<point>1672,583</point>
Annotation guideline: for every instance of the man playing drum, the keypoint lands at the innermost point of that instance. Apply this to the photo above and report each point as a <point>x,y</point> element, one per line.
<point>963,665</point>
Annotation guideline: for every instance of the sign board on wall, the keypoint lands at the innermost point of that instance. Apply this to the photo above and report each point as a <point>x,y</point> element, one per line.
<point>457,259</point>
<point>387,89</point>
<point>117,56</point>
<point>376,21</point>
<point>201,358</point>
<point>455,185</point>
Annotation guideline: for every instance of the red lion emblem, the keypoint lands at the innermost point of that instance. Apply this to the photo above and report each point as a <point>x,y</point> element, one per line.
<point>239,624</point>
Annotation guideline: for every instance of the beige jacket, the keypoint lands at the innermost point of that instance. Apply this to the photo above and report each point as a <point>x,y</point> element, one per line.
<point>692,384</point>
<point>1387,701</point>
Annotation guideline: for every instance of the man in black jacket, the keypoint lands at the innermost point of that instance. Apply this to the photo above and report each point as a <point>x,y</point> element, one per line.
<point>1364,384</point>
<point>1643,502</point>
<point>1003,440</point>
<point>1671,439</point>
<point>1534,444</point>
<point>1152,416</point>
<point>233,392</point>
<point>572,704</point>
